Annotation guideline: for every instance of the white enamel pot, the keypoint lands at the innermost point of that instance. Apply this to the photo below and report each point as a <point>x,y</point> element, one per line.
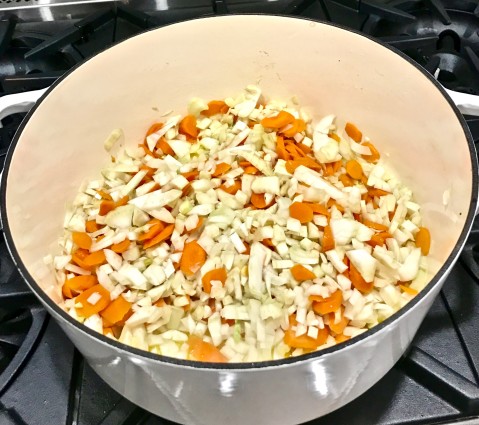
<point>406,113</point>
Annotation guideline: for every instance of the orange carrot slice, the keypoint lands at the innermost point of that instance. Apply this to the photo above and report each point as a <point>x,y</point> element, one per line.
<point>353,132</point>
<point>95,259</point>
<point>204,351</point>
<point>282,119</point>
<point>301,211</point>
<point>328,239</point>
<point>216,274</point>
<point>215,107</point>
<point>306,149</point>
<point>193,257</point>
<point>165,147</point>
<point>408,290</point>
<point>104,195</point>
<point>423,240</point>
<point>280,149</point>
<point>334,136</point>
<point>92,226</point>
<point>120,247</point>
<point>375,226</point>
<point>301,273</point>
<point>372,191</point>
<point>191,175</point>
<point>327,305</point>
<point>346,180</point>
<point>154,128</point>
<point>160,237</point>
<point>374,157</point>
<point>81,283</point>
<point>354,169</point>
<point>257,199</point>
<point>231,189</point>
<point>188,127</point>
<point>106,206</point>
<point>304,341</point>
<point>89,309</point>
<point>338,328</point>
<point>358,281</point>
<point>82,239</point>
<point>221,169</point>
<point>291,165</point>
<point>341,338</point>
<point>319,209</point>
<point>116,311</point>
<point>155,228</point>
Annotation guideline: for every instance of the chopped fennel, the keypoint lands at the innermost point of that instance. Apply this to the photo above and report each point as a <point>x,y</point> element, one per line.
<point>244,231</point>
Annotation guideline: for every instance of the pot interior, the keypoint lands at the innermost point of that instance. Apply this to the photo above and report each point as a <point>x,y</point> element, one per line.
<point>330,70</point>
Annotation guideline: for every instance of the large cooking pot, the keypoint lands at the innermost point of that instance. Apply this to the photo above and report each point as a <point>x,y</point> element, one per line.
<point>403,109</point>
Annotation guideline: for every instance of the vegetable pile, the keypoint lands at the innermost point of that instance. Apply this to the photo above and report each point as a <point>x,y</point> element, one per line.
<point>241,232</point>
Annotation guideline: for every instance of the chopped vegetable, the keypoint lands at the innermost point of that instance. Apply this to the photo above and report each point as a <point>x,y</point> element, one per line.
<point>243,231</point>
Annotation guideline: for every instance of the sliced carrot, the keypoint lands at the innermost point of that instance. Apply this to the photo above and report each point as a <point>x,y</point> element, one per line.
<point>328,239</point>
<point>82,239</point>
<point>116,311</point>
<point>319,209</point>
<point>375,226</point>
<point>248,248</point>
<point>156,227</point>
<point>282,119</point>
<point>160,303</point>
<point>149,171</point>
<point>216,274</point>
<point>188,127</point>
<point>160,237</point>
<point>95,259</point>
<point>423,240</point>
<point>374,157</point>
<point>335,137</point>
<point>191,175</point>
<point>193,257</point>
<point>257,199</point>
<point>291,165</point>
<point>306,149</point>
<point>327,305</point>
<point>204,351</point>
<point>215,107</point>
<point>297,126</point>
<point>293,150</point>
<point>120,247</point>
<point>221,169</point>
<point>332,203</point>
<point>107,331</point>
<point>88,309</point>
<point>301,273</point>
<point>408,290</point>
<point>338,328</point>
<point>353,132</point>
<point>354,169</point>
<point>346,180</point>
<point>104,195</point>
<point>377,239</point>
<point>106,206</point>
<point>341,338</point>
<point>92,226</point>
<point>122,201</point>
<point>81,283</point>
<point>377,192</point>
<point>78,258</point>
<point>301,211</point>
<point>165,147</point>
<point>358,281</point>
<point>304,341</point>
<point>67,292</point>
<point>154,128</point>
<point>280,149</point>
<point>231,189</point>
<point>251,170</point>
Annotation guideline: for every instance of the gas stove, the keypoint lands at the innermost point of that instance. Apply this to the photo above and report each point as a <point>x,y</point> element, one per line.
<point>43,378</point>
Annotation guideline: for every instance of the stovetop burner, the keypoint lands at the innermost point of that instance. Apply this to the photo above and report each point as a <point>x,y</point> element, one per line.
<point>443,37</point>
<point>43,379</point>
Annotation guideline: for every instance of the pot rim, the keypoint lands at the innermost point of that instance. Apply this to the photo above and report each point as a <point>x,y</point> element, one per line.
<point>57,311</point>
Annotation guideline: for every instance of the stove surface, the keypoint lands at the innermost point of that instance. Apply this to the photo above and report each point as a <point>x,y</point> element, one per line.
<point>43,378</point>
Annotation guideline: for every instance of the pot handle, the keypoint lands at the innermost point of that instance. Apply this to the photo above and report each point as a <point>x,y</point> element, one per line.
<point>468,104</point>
<point>19,102</point>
